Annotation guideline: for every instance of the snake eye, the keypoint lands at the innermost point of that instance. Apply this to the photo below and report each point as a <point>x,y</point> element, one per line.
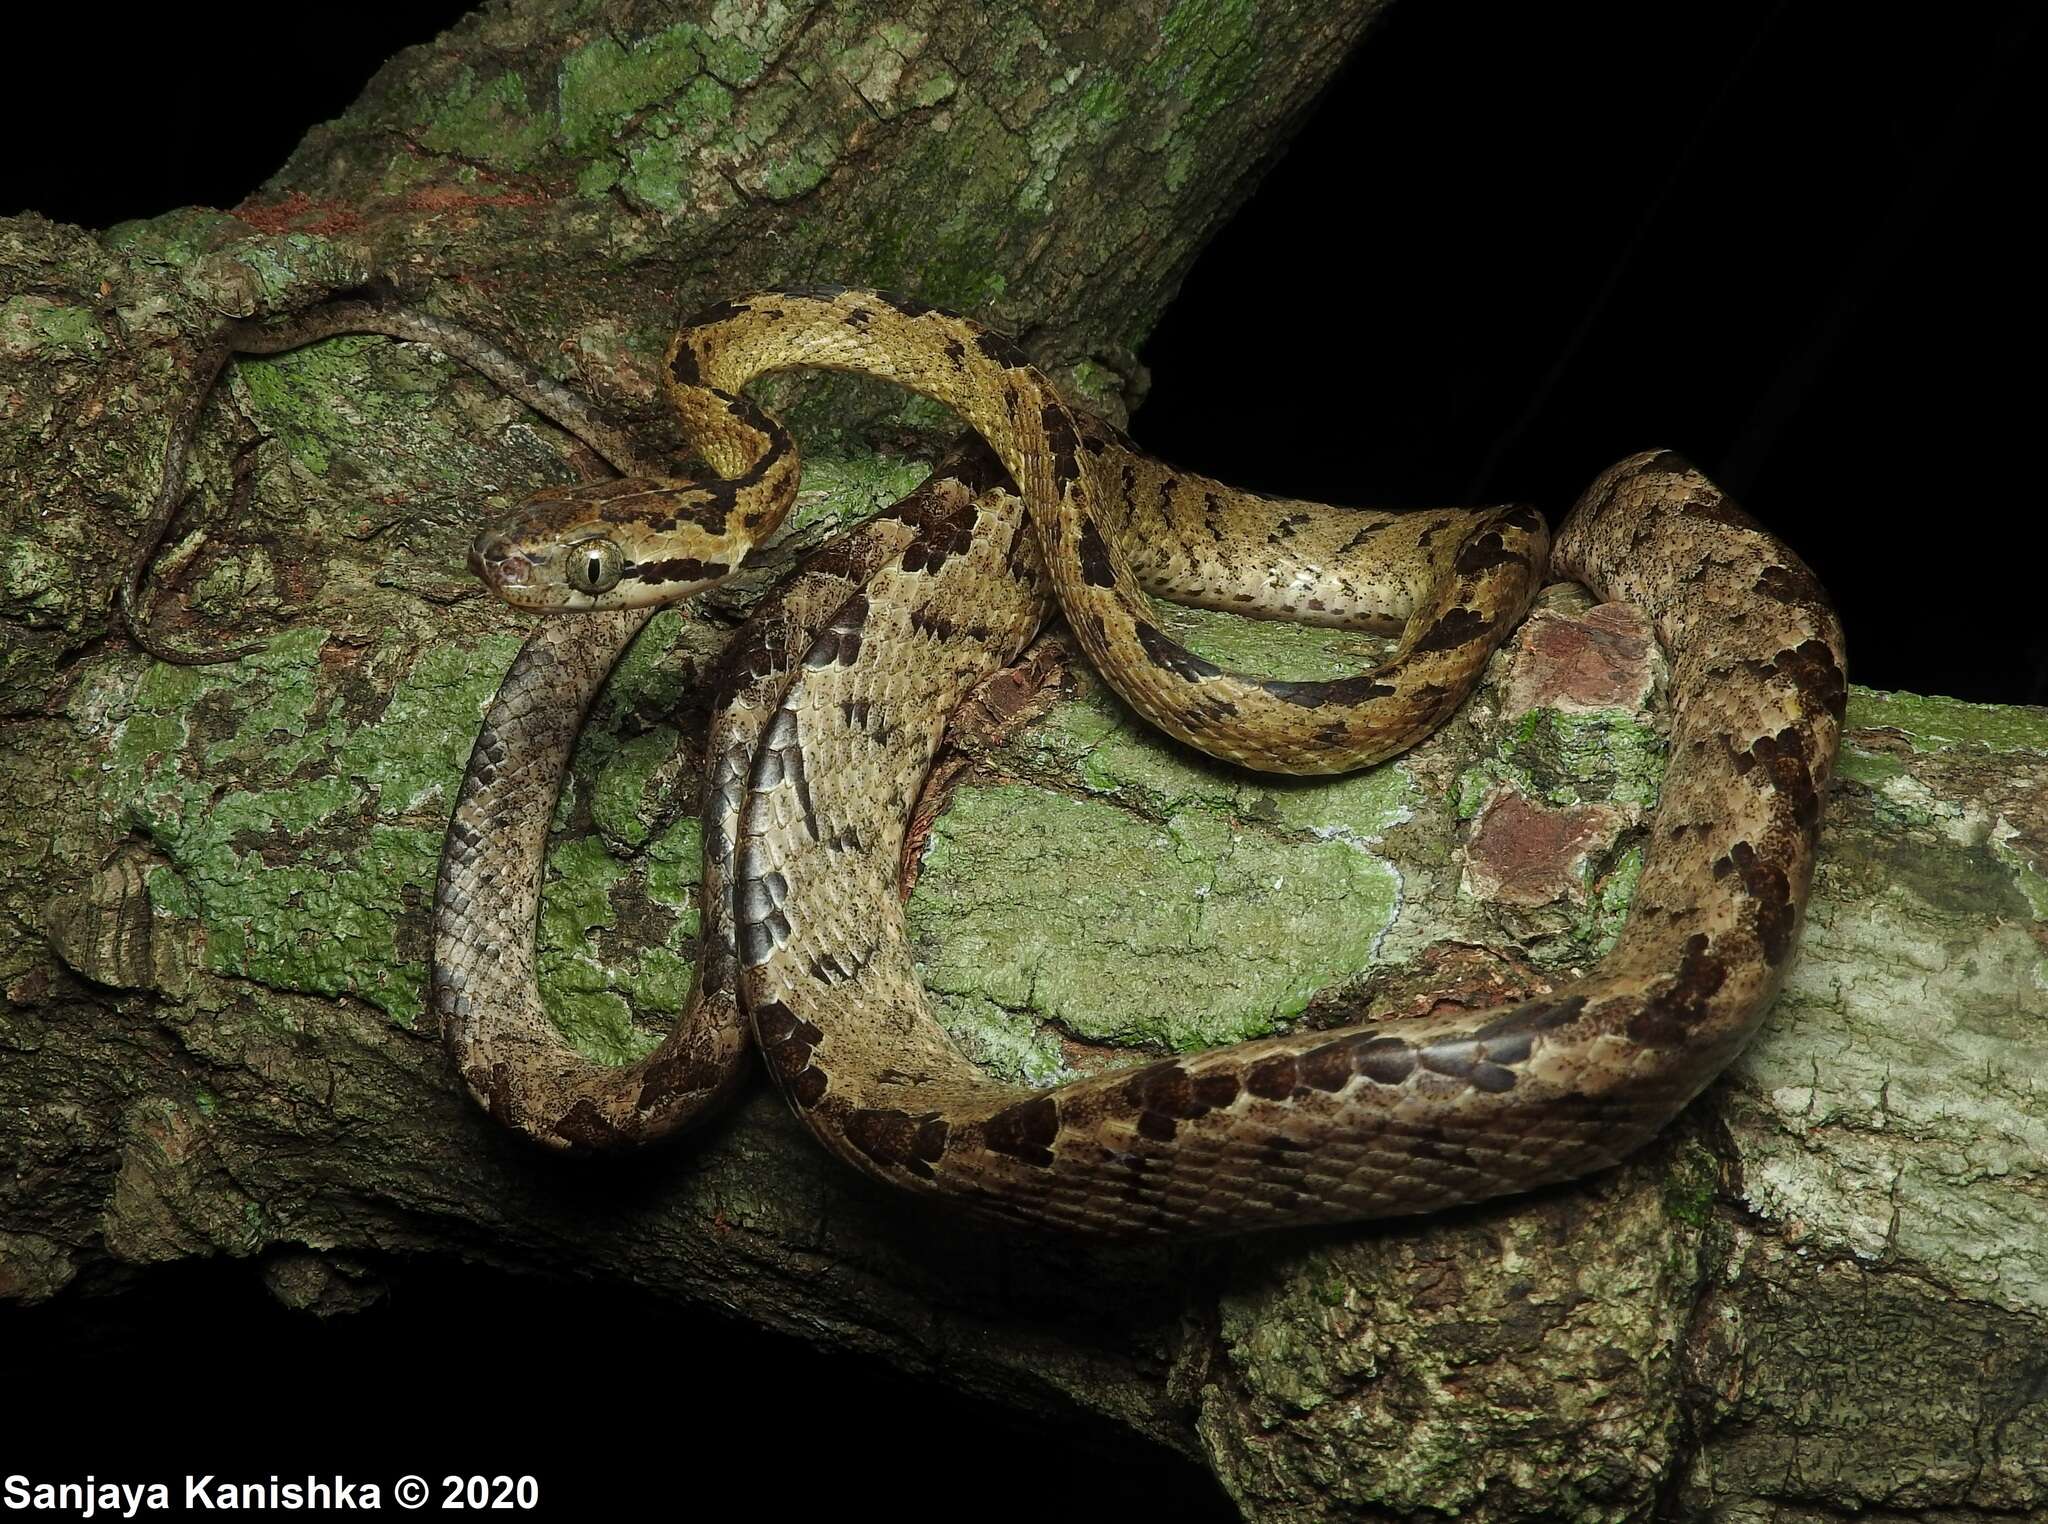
<point>594,566</point>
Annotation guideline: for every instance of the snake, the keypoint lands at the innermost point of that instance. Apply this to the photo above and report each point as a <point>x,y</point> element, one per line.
<point>830,705</point>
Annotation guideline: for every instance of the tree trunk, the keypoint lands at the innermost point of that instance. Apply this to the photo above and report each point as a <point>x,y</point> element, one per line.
<point>1825,1290</point>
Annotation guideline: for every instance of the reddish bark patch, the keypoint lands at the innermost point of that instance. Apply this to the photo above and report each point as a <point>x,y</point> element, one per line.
<point>1602,659</point>
<point>297,212</point>
<point>1526,854</point>
<point>1447,977</point>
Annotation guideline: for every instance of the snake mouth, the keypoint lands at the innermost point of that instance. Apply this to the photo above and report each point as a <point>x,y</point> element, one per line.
<point>501,568</point>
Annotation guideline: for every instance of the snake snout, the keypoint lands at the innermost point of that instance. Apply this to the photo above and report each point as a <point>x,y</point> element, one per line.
<point>492,558</point>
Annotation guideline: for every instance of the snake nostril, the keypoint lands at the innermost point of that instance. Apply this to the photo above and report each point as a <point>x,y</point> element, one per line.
<point>492,559</point>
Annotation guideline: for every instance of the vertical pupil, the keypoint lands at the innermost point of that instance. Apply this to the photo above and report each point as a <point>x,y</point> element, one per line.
<point>593,566</point>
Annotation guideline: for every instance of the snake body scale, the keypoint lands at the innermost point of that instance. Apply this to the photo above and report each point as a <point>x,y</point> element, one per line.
<point>831,704</point>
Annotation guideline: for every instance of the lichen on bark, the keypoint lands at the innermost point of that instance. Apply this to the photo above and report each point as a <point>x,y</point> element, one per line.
<point>1821,1293</point>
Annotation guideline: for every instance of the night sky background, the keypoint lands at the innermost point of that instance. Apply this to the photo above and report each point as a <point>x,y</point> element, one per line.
<point>1784,239</point>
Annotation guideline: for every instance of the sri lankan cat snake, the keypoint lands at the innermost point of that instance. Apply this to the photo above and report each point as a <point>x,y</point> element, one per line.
<point>829,708</point>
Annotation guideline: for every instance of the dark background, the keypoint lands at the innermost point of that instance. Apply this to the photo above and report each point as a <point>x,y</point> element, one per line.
<point>1521,241</point>
<point>1786,240</point>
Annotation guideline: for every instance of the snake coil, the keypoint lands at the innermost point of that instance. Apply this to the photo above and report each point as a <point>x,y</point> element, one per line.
<point>830,706</point>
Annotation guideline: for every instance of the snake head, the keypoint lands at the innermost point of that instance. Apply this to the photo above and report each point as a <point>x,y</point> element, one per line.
<point>613,545</point>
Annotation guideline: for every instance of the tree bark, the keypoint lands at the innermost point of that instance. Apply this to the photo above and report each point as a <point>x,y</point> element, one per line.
<point>1824,1291</point>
